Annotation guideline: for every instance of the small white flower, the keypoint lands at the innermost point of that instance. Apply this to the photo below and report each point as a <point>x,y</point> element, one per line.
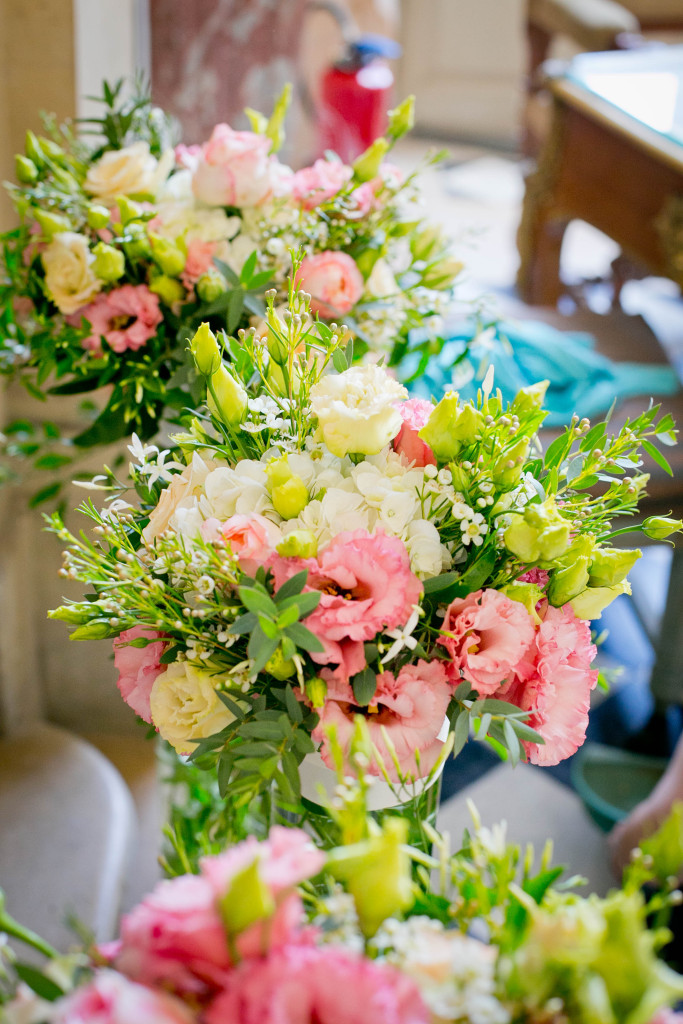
<point>430,472</point>
<point>444,476</point>
<point>461,510</point>
<point>161,470</point>
<point>141,452</point>
<point>473,530</point>
<point>403,637</point>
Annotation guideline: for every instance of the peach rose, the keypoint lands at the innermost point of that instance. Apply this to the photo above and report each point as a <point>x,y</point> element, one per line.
<point>253,538</point>
<point>183,492</point>
<point>334,281</point>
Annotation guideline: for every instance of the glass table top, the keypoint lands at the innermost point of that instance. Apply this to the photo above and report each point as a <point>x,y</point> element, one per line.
<point>646,84</point>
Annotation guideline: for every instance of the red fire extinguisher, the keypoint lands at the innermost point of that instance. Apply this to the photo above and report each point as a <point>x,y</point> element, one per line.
<point>356,91</point>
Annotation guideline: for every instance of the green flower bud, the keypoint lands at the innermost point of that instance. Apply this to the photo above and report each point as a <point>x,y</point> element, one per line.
<point>93,630</point>
<point>402,118</point>
<point>442,274</point>
<point>298,544</point>
<point>661,527</point>
<point>247,900</point>
<point>227,399</point>
<point>509,467</point>
<point>541,534</point>
<point>316,690</point>
<point>290,498</point>
<point>205,351</point>
<point>527,594</point>
<point>65,180</point>
<point>367,165</point>
<point>33,149</point>
<point>278,471</point>
<point>138,247</point>
<point>568,582</point>
<point>275,125</point>
<point>51,148</point>
<point>279,666</point>
<point>26,170</point>
<point>530,399</point>
<point>591,603</point>
<point>427,242</point>
<point>167,256</point>
<point>51,223</point>
<point>610,566</point>
<point>128,209</point>
<point>258,122</point>
<point>210,285</point>
<point>169,289</point>
<point>75,614</point>
<point>450,427</point>
<point>97,216</point>
<point>109,263</point>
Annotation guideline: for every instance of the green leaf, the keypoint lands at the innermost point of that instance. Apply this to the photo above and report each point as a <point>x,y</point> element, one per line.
<point>290,769</point>
<point>232,705</point>
<point>171,655</point>
<point>262,730</point>
<point>259,281</point>
<point>657,456</point>
<point>303,638</point>
<point>44,494</point>
<point>339,361</point>
<point>436,583</point>
<point>260,648</point>
<point>256,601</point>
<point>248,269</point>
<point>42,986</point>
<point>555,452</point>
<point>511,741</point>
<point>227,271</point>
<point>235,307</point>
<point>287,617</point>
<point>244,624</point>
<point>461,732</point>
<point>52,461</point>
<point>293,706</point>
<point>294,585</point>
<point>269,627</point>
<point>364,686</point>
<point>307,603</point>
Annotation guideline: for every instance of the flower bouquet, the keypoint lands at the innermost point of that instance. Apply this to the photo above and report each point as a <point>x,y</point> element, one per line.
<point>319,549</point>
<point>279,932</point>
<point>124,247</point>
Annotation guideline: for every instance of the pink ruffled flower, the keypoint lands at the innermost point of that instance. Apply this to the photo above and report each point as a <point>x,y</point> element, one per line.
<point>328,985</point>
<point>312,186</point>
<point>539,577</point>
<point>553,682</point>
<point>112,999</point>
<point>126,318</point>
<point>366,586</point>
<point>187,156</point>
<point>486,635</point>
<point>253,538</point>
<point>364,199</point>
<point>415,413</point>
<point>138,667</point>
<point>199,259</point>
<point>334,282</point>
<point>411,707</point>
<point>234,169</point>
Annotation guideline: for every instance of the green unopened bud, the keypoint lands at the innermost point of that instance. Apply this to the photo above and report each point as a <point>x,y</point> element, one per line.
<point>527,594</point>
<point>661,527</point>
<point>211,285</point>
<point>75,614</point>
<point>51,148</point>
<point>25,169</point>
<point>316,691</point>
<point>167,256</point>
<point>257,121</point>
<point>65,180</point>
<point>610,566</point>
<point>568,582</point>
<point>97,216</point>
<point>128,209</point>
<point>109,263</point>
<point>427,242</point>
<point>442,274</point>
<point>169,289</point>
<point>138,246</point>
<point>275,126</point>
<point>367,165</point>
<point>205,351</point>
<point>461,479</point>
<point>94,630</point>
<point>51,223</point>
<point>247,900</point>
<point>227,399</point>
<point>278,471</point>
<point>33,149</point>
<point>298,544</point>
<point>530,399</point>
<point>509,467</point>
<point>290,498</point>
<point>279,666</point>
<point>541,534</point>
<point>591,603</point>
<point>402,118</point>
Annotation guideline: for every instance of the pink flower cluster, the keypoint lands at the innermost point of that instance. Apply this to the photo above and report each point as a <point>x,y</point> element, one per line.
<point>126,318</point>
<point>176,963</point>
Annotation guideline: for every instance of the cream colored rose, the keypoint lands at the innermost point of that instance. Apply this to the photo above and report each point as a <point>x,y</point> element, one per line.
<point>381,284</point>
<point>428,557</point>
<point>185,705</point>
<point>124,172</point>
<point>181,495</point>
<point>355,410</point>
<point>69,278</point>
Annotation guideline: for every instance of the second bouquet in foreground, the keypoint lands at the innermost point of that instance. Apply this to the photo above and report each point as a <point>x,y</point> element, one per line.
<point>320,547</point>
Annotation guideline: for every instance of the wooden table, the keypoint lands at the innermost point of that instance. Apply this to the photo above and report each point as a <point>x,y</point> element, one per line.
<point>613,158</point>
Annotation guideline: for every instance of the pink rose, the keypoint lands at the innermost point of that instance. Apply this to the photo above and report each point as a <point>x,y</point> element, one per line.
<point>126,318</point>
<point>334,282</point>
<point>199,259</point>
<point>187,157</point>
<point>138,667</point>
<point>411,707</point>
<point>553,682</point>
<point>415,413</point>
<point>234,169</point>
<point>253,538</point>
<point>312,186</point>
<point>112,999</point>
<point>328,985</point>
<point>486,635</point>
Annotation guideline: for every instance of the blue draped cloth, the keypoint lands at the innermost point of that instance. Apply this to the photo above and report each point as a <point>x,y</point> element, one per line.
<point>527,351</point>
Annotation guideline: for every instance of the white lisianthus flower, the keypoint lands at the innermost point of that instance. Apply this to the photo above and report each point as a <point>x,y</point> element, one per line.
<point>240,490</point>
<point>355,410</point>
<point>425,549</point>
<point>69,278</point>
<point>126,172</point>
<point>398,509</point>
<point>381,282</point>
<point>180,497</point>
<point>185,705</point>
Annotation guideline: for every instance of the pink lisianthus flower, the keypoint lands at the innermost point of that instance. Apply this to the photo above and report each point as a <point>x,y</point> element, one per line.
<point>312,186</point>
<point>110,998</point>
<point>187,157</point>
<point>539,577</point>
<point>328,985</point>
<point>334,282</point>
<point>199,259</point>
<point>486,635</point>
<point>364,199</point>
<point>553,682</point>
<point>415,413</point>
<point>252,538</point>
<point>126,318</point>
<point>366,586</point>
<point>234,169</point>
<point>138,667</point>
<point>411,707</point>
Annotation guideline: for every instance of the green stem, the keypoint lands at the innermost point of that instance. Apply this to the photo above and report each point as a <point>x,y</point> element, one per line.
<point>11,927</point>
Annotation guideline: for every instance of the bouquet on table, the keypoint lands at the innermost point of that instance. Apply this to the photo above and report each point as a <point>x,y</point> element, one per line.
<point>125,247</point>
<point>280,932</point>
<point>320,548</point>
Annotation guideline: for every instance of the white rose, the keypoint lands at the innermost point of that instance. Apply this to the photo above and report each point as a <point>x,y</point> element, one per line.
<point>424,548</point>
<point>185,705</point>
<point>69,279</point>
<point>126,172</point>
<point>181,495</point>
<point>355,409</point>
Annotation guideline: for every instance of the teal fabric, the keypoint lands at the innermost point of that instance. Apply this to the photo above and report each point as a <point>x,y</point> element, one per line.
<point>524,352</point>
